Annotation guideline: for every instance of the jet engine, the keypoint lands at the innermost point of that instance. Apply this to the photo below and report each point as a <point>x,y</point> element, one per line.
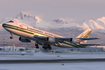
<point>71,39</point>
<point>50,39</point>
<point>23,39</point>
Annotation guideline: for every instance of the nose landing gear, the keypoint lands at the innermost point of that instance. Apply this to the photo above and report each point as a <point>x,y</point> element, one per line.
<point>11,37</point>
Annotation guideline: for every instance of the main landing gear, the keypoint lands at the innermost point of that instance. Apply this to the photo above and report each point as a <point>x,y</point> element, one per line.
<point>11,37</point>
<point>37,46</point>
<point>45,46</point>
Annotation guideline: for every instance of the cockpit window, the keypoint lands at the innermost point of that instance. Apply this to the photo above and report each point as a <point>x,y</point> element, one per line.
<point>11,21</point>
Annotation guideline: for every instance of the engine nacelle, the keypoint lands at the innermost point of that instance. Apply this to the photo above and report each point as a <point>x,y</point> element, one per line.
<point>71,39</point>
<point>50,39</point>
<point>23,39</point>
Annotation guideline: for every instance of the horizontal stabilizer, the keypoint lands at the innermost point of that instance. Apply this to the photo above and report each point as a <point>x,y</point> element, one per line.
<point>92,44</point>
<point>87,38</point>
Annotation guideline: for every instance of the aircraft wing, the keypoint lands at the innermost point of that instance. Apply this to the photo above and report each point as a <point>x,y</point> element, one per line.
<point>53,39</point>
<point>41,37</point>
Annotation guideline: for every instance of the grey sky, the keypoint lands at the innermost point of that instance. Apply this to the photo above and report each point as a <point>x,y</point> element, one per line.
<point>79,10</point>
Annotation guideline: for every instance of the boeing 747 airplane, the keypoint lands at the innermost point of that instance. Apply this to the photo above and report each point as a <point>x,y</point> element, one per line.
<point>46,39</point>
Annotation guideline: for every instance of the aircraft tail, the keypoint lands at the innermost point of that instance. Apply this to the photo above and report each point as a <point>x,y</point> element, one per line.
<point>85,34</point>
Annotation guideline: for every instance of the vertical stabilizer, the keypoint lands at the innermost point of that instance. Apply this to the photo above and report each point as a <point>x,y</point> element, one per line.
<point>85,34</point>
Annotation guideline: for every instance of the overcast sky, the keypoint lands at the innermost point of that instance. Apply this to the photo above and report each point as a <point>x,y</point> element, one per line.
<point>78,10</point>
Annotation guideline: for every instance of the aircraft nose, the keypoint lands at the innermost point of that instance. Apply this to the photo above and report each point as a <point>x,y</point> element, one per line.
<point>3,25</point>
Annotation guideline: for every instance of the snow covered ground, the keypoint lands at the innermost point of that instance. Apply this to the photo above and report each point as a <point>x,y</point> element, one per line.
<point>55,66</point>
<point>52,56</point>
<point>94,65</point>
